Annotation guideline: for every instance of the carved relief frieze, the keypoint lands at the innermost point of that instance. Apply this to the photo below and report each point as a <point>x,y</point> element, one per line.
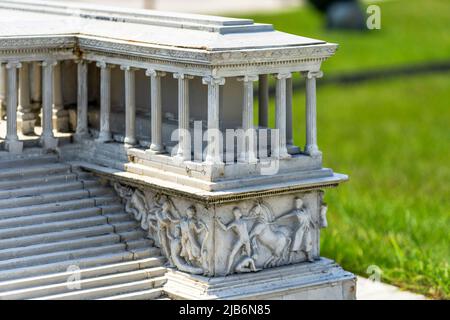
<point>247,236</point>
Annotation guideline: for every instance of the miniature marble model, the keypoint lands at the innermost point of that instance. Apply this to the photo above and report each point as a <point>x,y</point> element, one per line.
<point>160,107</point>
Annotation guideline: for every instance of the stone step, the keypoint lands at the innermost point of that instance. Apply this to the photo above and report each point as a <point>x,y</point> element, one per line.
<point>42,189</point>
<point>106,200</point>
<point>70,284</point>
<point>27,161</point>
<point>106,291</point>
<point>45,198</point>
<point>57,236</point>
<point>84,273</point>
<point>36,181</point>
<point>121,227</point>
<point>47,208</point>
<point>151,294</point>
<point>114,218</point>
<point>35,219</point>
<point>60,256</point>
<point>86,262</point>
<point>112,208</point>
<point>52,227</point>
<point>33,171</point>
<point>101,192</point>
<point>132,235</point>
<point>71,244</point>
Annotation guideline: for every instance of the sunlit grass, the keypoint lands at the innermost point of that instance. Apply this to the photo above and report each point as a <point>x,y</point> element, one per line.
<point>393,138</point>
<point>412,32</point>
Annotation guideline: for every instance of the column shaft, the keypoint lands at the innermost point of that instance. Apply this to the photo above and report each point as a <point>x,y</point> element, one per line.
<point>280,115</point>
<point>248,149</point>
<point>2,91</point>
<point>12,142</point>
<point>60,116</point>
<point>156,111</point>
<point>184,139</point>
<point>82,100</point>
<point>263,100</point>
<point>105,102</point>
<point>130,106</point>
<point>292,149</point>
<point>213,154</point>
<point>36,91</point>
<point>26,116</point>
<point>47,139</point>
<point>311,147</point>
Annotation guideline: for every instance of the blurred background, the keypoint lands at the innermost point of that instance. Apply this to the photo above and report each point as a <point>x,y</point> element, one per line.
<point>383,118</point>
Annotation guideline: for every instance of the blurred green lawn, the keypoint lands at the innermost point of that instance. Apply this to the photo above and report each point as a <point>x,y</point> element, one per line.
<point>414,31</point>
<point>393,138</point>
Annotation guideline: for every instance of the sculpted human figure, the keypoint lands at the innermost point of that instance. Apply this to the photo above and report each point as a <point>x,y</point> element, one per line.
<point>239,226</point>
<point>191,249</point>
<point>302,237</point>
<point>247,264</point>
<point>175,251</point>
<point>165,219</point>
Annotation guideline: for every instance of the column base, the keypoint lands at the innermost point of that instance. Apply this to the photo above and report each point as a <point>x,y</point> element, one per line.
<point>155,149</point>
<point>104,137</point>
<point>13,146</point>
<point>80,136</point>
<point>293,149</point>
<point>322,279</point>
<point>313,151</point>
<point>49,142</point>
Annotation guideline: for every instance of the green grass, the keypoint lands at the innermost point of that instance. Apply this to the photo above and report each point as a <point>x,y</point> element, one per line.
<point>412,32</point>
<point>393,139</point>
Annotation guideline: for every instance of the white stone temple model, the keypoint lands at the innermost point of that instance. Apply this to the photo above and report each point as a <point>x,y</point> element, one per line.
<point>159,108</point>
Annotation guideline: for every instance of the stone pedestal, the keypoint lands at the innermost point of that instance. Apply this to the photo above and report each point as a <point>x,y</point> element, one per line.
<point>319,280</point>
<point>258,242</point>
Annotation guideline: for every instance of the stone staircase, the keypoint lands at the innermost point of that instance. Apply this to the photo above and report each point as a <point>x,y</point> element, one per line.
<point>64,235</point>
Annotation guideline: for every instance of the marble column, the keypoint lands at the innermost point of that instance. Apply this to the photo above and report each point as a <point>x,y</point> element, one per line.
<point>184,138</point>
<point>2,91</point>
<point>36,91</point>
<point>292,149</point>
<point>105,101</point>
<point>156,111</point>
<point>311,147</point>
<point>26,116</point>
<point>263,100</point>
<point>248,149</point>
<point>12,143</point>
<point>60,115</point>
<point>48,140</point>
<point>82,131</point>
<point>280,150</point>
<point>130,106</point>
<point>213,153</point>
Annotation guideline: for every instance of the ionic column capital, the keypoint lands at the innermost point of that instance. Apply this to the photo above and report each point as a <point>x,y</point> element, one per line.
<point>312,74</point>
<point>248,78</point>
<point>13,64</point>
<point>154,73</point>
<point>183,76</point>
<point>49,63</point>
<point>213,80</point>
<point>128,68</point>
<point>104,65</point>
<point>282,75</point>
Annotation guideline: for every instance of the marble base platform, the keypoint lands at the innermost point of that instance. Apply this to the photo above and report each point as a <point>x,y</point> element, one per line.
<point>322,279</point>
